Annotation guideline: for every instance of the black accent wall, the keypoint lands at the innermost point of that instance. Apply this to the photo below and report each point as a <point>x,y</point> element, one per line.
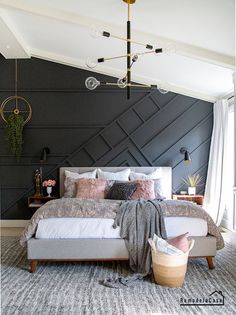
<point>101,128</point>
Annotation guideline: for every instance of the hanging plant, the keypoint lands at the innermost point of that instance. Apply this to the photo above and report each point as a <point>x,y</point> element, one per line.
<point>14,129</point>
<point>15,121</point>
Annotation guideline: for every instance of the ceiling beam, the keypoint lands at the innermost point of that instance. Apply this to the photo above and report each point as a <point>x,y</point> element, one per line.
<point>12,44</point>
<point>78,63</point>
<point>187,50</point>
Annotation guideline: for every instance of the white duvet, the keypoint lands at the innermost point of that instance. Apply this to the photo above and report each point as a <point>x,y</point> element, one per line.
<point>102,228</point>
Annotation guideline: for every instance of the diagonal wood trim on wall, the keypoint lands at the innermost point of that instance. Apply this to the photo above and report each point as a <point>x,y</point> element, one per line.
<point>84,128</point>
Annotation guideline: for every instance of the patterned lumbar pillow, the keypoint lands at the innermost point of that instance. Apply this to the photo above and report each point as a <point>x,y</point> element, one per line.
<point>91,188</point>
<point>181,242</point>
<point>71,179</point>
<point>121,191</point>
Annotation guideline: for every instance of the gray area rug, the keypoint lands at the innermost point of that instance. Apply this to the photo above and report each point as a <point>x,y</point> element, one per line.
<point>74,288</point>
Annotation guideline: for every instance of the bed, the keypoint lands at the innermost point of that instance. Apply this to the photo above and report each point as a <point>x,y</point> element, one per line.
<point>79,242</point>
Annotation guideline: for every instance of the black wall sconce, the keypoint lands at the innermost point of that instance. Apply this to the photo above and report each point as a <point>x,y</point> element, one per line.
<point>187,157</point>
<point>43,156</point>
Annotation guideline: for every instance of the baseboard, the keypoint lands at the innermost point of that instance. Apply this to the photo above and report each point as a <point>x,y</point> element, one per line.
<point>13,223</point>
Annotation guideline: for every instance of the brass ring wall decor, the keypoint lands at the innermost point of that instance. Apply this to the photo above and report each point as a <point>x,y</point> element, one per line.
<point>16,110</point>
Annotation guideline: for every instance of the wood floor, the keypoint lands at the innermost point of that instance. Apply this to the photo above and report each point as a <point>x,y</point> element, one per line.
<point>13,231</point>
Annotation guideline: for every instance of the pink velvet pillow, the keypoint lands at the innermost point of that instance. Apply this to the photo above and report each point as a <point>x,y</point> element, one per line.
<point>88,188</point>
<point>145,189</point>
<point>181,242</point>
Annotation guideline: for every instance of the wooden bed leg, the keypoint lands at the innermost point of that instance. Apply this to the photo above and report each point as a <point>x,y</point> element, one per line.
<point>210,262</point>
<point>33,265</point>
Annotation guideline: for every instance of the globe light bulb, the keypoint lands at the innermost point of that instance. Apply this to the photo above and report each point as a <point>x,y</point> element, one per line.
<point>122,83</point>
<point>91,62</point>
<point>169,49</point>
<point>91,83</point>
<point>95,33</point>
<point>163,88</point>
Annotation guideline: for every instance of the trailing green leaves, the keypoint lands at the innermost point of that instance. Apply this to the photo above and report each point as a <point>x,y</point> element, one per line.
<point>14,129</point>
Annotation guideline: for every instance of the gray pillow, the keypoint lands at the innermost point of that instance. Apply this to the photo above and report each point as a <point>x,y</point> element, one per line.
<point>121,191</point>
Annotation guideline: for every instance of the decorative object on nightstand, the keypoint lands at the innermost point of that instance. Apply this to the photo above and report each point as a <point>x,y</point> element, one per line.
<point>43,158</point>
<point>192,181</point>
<point>37,202</point>
<point>49,184</point>
<point>198,199</point>
<point>37,178</point>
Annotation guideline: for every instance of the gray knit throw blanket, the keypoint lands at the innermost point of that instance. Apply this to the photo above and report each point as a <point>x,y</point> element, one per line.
<point>138,220</point>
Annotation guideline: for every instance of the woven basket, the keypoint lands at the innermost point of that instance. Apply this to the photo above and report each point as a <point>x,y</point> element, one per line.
<point>170,270</point>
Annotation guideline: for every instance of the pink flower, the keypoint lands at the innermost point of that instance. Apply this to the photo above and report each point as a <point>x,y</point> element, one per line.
<point>49,183</point>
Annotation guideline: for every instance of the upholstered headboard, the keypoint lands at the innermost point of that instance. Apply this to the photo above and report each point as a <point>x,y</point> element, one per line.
<point>165,171</point>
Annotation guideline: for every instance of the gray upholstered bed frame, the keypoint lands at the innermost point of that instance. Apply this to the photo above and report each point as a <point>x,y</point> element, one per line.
<point>105,249</point>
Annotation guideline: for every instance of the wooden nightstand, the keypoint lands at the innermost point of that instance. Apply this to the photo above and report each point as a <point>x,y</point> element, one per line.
<point>37,202</point>
<point>198,199</point>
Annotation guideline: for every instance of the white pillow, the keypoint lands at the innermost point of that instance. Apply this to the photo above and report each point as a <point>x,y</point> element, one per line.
<point>154,175</point>
<point>74,175</point>
<point>121,175</point>
<point>70,182</point>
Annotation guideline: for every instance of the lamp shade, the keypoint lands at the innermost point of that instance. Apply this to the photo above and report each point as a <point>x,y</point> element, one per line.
<point>44,152</point>
<point>187,157</point>
<point>185,152</point>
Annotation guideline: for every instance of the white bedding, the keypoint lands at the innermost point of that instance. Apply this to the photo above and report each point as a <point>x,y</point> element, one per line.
<point>102,228</point>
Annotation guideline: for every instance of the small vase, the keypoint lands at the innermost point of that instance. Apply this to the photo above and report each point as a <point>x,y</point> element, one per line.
<point>192,190</point>
<point>49,191</point>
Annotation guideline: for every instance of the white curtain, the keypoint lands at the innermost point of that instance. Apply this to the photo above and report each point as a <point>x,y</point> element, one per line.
<point>215,192</point>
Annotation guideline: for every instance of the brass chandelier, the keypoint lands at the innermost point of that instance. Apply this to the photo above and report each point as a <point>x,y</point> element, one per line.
<point>92,83</point>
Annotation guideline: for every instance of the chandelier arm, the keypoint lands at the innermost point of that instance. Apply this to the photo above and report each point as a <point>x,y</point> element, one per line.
<point>107,34</point>
<point>158,50</point>
<point>110,58</point>
<point>131,85</point>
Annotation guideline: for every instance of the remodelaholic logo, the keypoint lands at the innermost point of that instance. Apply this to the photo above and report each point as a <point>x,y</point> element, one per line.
<point>215,298</point>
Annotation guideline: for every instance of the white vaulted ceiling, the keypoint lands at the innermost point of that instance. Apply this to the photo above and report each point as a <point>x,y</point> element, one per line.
<point>202,32</point>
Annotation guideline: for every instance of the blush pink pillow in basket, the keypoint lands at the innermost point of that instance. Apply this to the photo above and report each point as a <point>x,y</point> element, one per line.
<point>145,189</point>
<point>88,188</point>
<point>181,242</point>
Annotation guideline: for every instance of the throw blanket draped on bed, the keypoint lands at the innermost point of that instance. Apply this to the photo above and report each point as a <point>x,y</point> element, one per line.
<point>139,220</point>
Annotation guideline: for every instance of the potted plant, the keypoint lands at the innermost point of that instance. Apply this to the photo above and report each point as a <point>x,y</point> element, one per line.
<point>49,184</point>
<point>192,181</point>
